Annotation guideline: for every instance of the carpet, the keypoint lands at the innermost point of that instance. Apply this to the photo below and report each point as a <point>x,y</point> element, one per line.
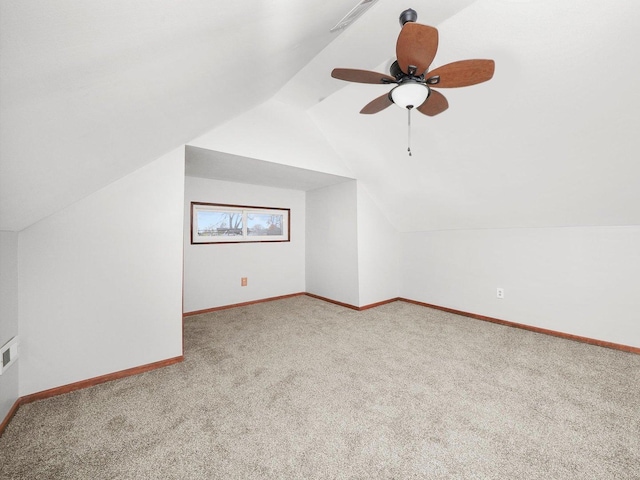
<point>301,388</point>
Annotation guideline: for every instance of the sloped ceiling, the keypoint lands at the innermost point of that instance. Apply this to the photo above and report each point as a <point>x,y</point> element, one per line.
<point>552,140</point>
<point>91,91</point>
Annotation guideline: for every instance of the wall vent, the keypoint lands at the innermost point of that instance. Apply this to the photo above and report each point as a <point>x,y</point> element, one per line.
<point>8,354</point>
<point>355,12</point>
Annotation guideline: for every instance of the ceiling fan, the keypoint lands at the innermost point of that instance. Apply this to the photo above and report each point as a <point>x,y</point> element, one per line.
<point>414,84</point>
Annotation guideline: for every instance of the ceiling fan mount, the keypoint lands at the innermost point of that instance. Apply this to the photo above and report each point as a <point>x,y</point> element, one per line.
<point>409,15</point>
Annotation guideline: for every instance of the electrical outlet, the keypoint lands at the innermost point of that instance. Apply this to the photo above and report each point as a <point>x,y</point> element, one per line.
<point>243,282</point>
<point>500,293</point>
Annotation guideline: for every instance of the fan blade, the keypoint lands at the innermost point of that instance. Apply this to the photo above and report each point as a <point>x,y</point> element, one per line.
<point>417,45</point>
<point>435,104</point>
<point>377,105</point>
<point>361,76</point>
<point>462,73</point>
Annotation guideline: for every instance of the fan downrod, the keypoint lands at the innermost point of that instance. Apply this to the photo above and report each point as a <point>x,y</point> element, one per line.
<point>409,15</point>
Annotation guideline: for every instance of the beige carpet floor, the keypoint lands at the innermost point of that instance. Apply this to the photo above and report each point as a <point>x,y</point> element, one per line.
<point>300,388</point>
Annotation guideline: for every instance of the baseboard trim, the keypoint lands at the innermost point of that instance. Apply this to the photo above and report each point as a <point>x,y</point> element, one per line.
<point>352,307</point>
<point>7,419</point>
<point>271,299</point>
<point>90,382</point>
<point>378,304</point>
<point>243,304</point>
<point>545,331</point>
<point>554,333</point>
<point>335,302</point>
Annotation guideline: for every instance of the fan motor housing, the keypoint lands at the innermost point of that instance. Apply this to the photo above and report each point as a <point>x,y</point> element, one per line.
<point>399,75</point>
<point>395,70</point>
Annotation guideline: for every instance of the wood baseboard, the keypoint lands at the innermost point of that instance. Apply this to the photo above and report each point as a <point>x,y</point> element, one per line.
<point>90,382</point>
<point>9,416</point>
<point>52,392</point>
<point>545,331</point>
<point>335,302</point>
<point>379,304</point>
<point>352,307</point>
<point>243,304</point>
<point>270,299</point>
<point>567,336</point>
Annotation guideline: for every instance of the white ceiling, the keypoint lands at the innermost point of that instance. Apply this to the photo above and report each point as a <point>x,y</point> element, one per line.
<point>551,140</point>
<point>91,91</point>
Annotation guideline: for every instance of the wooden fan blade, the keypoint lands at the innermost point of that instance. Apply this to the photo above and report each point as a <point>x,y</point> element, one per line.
<point>435,104</point>
<point>417,45</point>
<point>361,76</point>
<point>462,73</point>
<point>377,105</point>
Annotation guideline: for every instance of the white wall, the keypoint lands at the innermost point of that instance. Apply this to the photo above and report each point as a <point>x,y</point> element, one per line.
<point>332,243</point>
<point>578,280</point>
<point>212,273</point>
<point>9,385</point>
<point>378,252</point>
<point>276,132</point>
<point>100,282</point>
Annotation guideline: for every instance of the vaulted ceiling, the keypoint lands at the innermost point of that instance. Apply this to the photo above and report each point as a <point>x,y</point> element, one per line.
<point>91,91</point>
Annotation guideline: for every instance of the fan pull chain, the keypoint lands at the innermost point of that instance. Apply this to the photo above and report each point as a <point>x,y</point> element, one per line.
<point>409,132</point>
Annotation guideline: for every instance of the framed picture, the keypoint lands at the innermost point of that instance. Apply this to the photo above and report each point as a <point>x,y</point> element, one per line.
<point>220,223</point>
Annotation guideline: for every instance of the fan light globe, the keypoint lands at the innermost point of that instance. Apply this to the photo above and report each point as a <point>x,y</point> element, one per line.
<point>410,95</point>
